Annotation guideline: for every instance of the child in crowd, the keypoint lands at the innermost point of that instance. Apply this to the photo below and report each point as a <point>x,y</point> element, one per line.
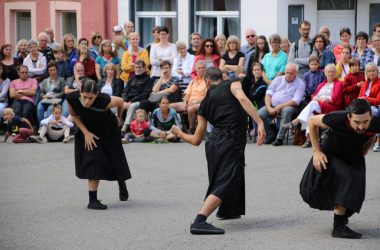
<point>312,78</point>
<point>17,126</point>
<point>62,65</point>
<point>353,82</point>
<point>139,128</point>
<point>56,127</point>
<point>343,65</point>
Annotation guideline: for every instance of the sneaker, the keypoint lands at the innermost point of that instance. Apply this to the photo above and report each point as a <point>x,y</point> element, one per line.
<point>344,231</point>
<point>307,144</point>
<point>36,138</point>
<point>124,141</point>
<point>97,205</point>
<point>376,147</point>
<point>205,228</point>
<point>68,139</point>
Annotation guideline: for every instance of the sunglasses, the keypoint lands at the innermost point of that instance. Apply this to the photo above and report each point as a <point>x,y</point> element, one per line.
<point>209,46</point>
<point>250,36</point>
<point>97,37</point>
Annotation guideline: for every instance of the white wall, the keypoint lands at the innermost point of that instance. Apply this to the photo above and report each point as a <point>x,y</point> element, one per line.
<point>363,15</point>
<point>123,12</point>
<point>183,20</point>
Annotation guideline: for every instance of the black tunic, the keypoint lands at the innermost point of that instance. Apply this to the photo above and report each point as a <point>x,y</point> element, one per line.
<point>343,182</point>
<point>225,148</point>
<point>107,161</point>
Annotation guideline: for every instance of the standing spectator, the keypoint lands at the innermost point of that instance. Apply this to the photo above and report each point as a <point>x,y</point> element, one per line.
<point>249,48</point>
<point>208,53</point>
<point>21,51</point>
<point>51,92</point>
<point>51,43</point>
<point>324,55</point>
<point>221,44</point>
<point>195,41</point>
<point>96,40</point>
<point>106,56</point>
<point>285,45</point>
<point>19,126</point>
<point>162,51</point>
<point>262,48</point>
<point>69,47</point>
<point>362,52</point>
<point>35,61</point>
<point>182,65</point>
<point>43,47</point>
<point>23,91</point>
<point>274,62</point>
<point>300,50</point>
<point>343,65</point>
<point>345,36</point>
<point>4,87</point>
<point>83,56</point>
<point>233,59</point>
<point>9,63</point>
<point>130,56</point>
<point>129,27</point>
<point>324,30</point>
<point>376,49</point>
<point>282,98</point>
<point>156,38</point>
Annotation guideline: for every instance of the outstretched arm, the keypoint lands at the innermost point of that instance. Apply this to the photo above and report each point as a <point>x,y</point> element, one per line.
<point>319,158</point>
<point>197,137</point>
<point>247,105</point>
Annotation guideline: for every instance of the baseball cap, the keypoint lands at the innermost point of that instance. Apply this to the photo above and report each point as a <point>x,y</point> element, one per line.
<point>117,29</point>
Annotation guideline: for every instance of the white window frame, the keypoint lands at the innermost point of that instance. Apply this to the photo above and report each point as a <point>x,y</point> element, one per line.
<point>158,16</point>
<point>219,15</point>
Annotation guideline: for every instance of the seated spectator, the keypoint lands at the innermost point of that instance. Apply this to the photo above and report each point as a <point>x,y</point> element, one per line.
<point>35,61</point>
<point>139,129</point>
<point>162,120</point>
<point>106,56</point>
<point>275,61</point>
<point>56,127</point>
<point>51,43</point>
<point>343,65</point>
<point>4,87</point>
<point>194,95</point>
<point>136,90</point>
<point>319,50</point>
<point>110,85</point>
<point>361,51</point>
<point>182,65</point>
<point>282,98</point>
<point>220,41</point>
<point>162,51</point>
<point>130,56</point>
<point>17,126</point>
<point>345,36</point>
<point>51,91</point>
<point>63,68</point>
<point>165,86</point>
<point>376,49</point>
<point>23,91</point>
<point>262,48</point>
<point>21,52</point>
<point>73,84</point>
<point>285,45</point>
<point>327,97</point>
<point>96,40</point>
<point>233,58</point>
<point>43,47</point>
<point>83,55</point>
<point>312,78</point>
<point>353,82</point>
<point>208,53</point>
<point>9,63</point>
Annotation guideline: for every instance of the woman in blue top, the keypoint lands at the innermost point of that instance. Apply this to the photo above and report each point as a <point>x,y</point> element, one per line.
<point>106,55</point>
<point>318,46</point>
<point>163,118</point>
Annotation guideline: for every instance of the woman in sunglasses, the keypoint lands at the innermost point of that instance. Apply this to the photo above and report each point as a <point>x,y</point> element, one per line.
<point>209,53</point>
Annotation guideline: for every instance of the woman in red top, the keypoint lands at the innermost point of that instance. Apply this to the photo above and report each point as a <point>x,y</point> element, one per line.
<point>209,53</point>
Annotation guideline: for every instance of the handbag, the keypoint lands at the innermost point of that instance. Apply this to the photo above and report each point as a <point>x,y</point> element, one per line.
<point>155,97</point>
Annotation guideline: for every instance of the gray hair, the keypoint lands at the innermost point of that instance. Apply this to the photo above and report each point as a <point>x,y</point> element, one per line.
<point>293,65</point>
<point>32,42</point>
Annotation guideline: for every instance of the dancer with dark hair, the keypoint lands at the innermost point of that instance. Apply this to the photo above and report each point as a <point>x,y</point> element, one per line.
<point>335,177</point>
<point>99,154</point>
<point>225,107</point>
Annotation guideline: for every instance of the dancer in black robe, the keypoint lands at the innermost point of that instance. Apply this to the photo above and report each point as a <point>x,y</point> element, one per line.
<point>225,107</point>
<point>99,154</point>
<point>335,177</point>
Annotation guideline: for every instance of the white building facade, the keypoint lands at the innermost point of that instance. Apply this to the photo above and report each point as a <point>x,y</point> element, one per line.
<point>233,17</point>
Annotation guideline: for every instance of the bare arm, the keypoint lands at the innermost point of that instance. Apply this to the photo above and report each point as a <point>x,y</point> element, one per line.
<point>117,102</point>
<point>197,137</point>
<point>319,158</point>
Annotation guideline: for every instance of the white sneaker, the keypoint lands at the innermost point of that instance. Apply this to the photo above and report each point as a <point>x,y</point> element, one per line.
<point>68,139</point>
<point>376,147</point>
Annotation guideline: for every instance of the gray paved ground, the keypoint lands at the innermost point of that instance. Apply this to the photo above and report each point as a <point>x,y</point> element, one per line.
<point>43,205</point>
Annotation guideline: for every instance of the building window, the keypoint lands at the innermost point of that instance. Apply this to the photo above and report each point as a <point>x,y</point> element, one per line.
<point>336,4</point>
<point>214,17</point>
<point>23,26</point>
<point>69,23</point>
<point>151,13</point>
<point>374,17</point>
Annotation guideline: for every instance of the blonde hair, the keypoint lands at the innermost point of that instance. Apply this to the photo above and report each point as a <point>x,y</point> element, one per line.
<point>107,66</point>
<point>368,66</point>
<point>8,111</point>
<point>133,34</point>
<point>141,111</point>
<point>232,39</point>
<point>67,36</point>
